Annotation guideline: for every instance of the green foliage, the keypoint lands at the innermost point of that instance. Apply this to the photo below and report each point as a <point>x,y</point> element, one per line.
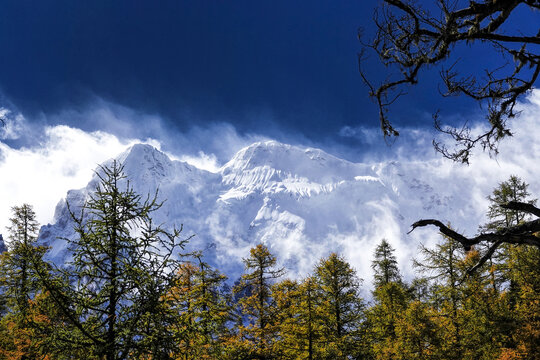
<point>385,265</point>
<point>19,285</point>
<point>128,293</point>
<point>258,306</point>
<point>513,189</point>
<point>113,290</point>
<point>340,305</point>
<point>203,311</point>
<point>296,322</point>
<point>418,333</point>
<point>391,298</point>
<point>524,266</point>
<point>18,280</point>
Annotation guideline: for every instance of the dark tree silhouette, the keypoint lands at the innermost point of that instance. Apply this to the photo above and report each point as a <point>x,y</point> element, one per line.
<point>524,233</point>
<point>411,38</point>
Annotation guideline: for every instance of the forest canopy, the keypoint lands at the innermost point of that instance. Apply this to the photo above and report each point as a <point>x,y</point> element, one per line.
<point>116,299</point>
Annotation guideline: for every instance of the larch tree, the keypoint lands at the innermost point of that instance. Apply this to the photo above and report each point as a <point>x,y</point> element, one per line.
<point>290,341</point>
<point>113,291</point>
<point>524,270</point>
<point>18,280</point>
<point>391,298</point>
<point>310,317</point>
<point>441,267</point>
<point>384,265</point>
<point>512,190</point>
<point>340,305</point>
<point>258,306</point>
<point>19,284</point>
<point>517,268</point>
<point>203,311</point>
<point>473,318</point>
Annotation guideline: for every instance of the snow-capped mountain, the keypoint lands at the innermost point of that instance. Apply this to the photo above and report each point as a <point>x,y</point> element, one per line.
<point>302,203</point>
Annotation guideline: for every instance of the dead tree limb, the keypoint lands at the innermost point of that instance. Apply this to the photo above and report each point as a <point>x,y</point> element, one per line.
<point>411,38</point>
<point>525,233</point>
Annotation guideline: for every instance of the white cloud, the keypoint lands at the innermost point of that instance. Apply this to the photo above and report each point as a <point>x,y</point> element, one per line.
<point>40,175</point>
<point>466,187</point>
<point>202,161</point>
<point>11,126</point>
<point>64,157</point>
<point>368,135</point>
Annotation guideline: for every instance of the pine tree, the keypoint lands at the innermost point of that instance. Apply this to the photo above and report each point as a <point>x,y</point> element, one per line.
<point>290,341</point>
<point>19,280</point>
<point>418,333</point>
<point>441,266</point>
<point>384,265</point>
<point>19,284</point>
<point>515,270</point>
<point>524,268</point>
<point>473,318</point>
<point>340,306</point>
<point>258,305</point>
<point>391,298</point>
<point>113,292</point>
<point>513,189</point>
<point>203,310</point>
<point>310,317</point>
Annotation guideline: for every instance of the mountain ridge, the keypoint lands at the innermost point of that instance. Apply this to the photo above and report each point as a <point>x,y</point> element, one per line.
<point>301,202</point>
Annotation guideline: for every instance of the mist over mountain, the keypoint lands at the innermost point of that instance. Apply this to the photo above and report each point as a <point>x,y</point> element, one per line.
<point>302,203</point>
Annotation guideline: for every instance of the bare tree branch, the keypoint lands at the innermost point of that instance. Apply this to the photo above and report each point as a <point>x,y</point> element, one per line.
<point>410,39</point>
<point>524,233</point>
<point>520,206</point>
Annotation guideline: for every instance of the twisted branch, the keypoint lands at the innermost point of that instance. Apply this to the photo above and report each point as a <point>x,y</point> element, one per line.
<point>525,233</point>
<point>409,39</point>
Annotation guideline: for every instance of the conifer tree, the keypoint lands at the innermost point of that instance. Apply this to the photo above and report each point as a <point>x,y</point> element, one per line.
<point>514,270</point>
<point>513,189</point>
<point>524,270</point>
<point>341,307</point>
<point>258,306</point>
<point>418,333</point>
<point>472,316</point>
<point>203,310</point>
<point>385,265</point>
<point>18,280</point>
<point>485,315</point>
<point>19,284</point>
<point>290,340</point>
<point>391,298</point>
<point>113,291</point>
<point>441,267</point>
<point>310,317</point>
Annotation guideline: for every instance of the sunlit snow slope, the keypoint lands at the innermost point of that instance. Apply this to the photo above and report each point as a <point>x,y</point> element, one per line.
<point>301,202</point>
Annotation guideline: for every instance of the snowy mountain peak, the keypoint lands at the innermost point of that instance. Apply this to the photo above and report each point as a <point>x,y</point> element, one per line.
<point>271,166</point>
<point>282,157</point>
<point>147,157</point>
<point>301,202</point>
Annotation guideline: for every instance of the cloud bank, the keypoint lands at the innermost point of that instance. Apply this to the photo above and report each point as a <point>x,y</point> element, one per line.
<point>61,157</point>
<point>41,174</point>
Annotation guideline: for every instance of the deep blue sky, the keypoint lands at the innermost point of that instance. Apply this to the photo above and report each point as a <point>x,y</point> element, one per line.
<point>291,63</point>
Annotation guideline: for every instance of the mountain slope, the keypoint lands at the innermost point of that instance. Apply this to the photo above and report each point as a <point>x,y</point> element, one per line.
<point>302,202</point>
